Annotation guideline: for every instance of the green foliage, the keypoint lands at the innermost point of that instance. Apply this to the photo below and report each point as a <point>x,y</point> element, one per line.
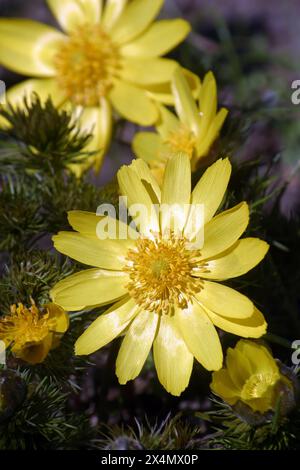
<point>170,434</point>
<point>40,137</point>
<point>31,206</point>
<point>20,213</point>
<point>31,274</point>
<point>37,186</point>
<point>44,421</point>
<point>231,432</point>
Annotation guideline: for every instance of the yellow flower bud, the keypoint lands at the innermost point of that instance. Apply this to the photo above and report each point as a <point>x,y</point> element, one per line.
<point>253,381</point>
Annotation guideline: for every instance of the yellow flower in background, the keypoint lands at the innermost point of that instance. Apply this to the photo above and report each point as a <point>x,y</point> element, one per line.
<point>109,57</point>
<point>164,292</point>
<point>251,376</point>
<point>32,332</point>
<point>192,131</point>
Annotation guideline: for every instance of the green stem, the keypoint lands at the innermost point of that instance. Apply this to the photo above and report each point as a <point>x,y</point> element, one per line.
<point>278,340</point>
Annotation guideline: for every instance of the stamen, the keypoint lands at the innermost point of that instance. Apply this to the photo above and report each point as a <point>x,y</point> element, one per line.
<point>87,64</point>
<point>258,384</point>
<point>24,325</point>
<point>161,273</point>
<point>182,140</point>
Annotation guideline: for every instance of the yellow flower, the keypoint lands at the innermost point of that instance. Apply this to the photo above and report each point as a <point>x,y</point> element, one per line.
<point>164,291</point>
<point>109,57</point>
<point>193,132</point>
<point>32,332</point>
<point>251,376</point>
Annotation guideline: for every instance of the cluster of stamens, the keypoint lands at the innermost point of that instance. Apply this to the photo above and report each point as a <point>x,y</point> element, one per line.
<point>24,325</point>
<point>182,140</point>
<point>258,384</point>
<point>161,273</point>
<point>87,64</point>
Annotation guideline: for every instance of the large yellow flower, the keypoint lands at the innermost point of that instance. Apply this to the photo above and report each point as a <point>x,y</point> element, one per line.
<point>108,57</point>
<point>32,332</point>
<point>251,376</point>
<point>163,287</point>
<point>193,132</point>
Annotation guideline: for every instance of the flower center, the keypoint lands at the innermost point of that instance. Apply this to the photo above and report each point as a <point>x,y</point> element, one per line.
<point>24,325</point>
<point>87,64</point>
<point>182,140</point>
<point>161,273</point>
<point>257,385</point>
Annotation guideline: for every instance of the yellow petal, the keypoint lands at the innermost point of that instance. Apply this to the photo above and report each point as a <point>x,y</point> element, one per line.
<point>238,260</point>
<point>68,13</point>
<point>43,87</point>
<point>107,254</point>
<point>224,230</point>
<point>145,72</point>
<point>96,121</point>
<point>28,47</point>
<point>92,10</point>
<point>87,223</point>
<point>252,327</point>
<point>238,369</point>
<point>223,386</point>
<point>210,189</point>
<point>173,360</point>
<point>136,346</point>
<point>221,232</point>
<point>200,336</point>
<point>60,316</point>
<point>139,201</point>
<point>148,146</point>
<point>238,366</point>
<point>184,102</point>
<point>265,403</point>
<point>135,19</point>
<point>84,222</point>
<point>113,10</point>
<point>160,38</point>
<point>71,13</point>
<point>124,95</point>
<point>89,288</point>
<point>107,327</point>
<point>224,301</point>
<point>176,193</point>
<point>258,356</point>
<point>35,353</point>
<point>208,102</point>
<point>162,92</point>
<point>148,180</point>
<point>167,122</point>
<point>204,143</point>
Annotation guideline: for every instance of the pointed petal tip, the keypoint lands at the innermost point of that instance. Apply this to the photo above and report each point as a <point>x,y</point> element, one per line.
<point>224,111</point>
<point>210,76</point>
<point>175,391</point>
<point>224,162</point>
<point>120,380</point>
